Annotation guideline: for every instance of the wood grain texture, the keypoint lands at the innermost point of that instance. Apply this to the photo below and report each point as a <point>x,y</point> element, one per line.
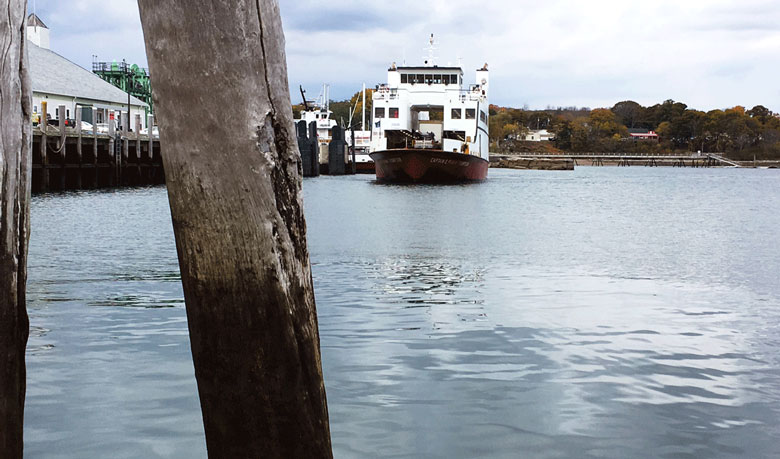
<point>15,167</point>
<point>233,172</point>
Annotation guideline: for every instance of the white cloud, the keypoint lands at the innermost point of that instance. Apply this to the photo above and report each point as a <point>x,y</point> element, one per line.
<point>706,53</point>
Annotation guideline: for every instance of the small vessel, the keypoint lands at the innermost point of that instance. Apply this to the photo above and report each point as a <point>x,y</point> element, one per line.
<point>319,111</point>
<point>428,128</point>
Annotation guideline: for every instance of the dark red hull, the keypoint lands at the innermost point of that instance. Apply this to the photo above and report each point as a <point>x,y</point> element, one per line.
<point>428,166</point>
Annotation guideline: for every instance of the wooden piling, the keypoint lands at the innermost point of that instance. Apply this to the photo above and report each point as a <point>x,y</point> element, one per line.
<point>137,129</point>
<point>79,172</point>
<point>336,152</point>
<point>96,181</point>
<point>15,176</point>
<point>315,149</point>
<point>239,225</point>
<point>44,126</point>
<point>149,129</point>
<point>62,148</point>
<point>112,152</point>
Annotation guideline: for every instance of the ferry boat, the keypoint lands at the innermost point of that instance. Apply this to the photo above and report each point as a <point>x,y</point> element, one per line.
<point>428,128</point>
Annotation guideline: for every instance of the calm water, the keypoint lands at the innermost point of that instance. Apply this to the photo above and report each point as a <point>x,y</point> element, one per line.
<point>608,312</point>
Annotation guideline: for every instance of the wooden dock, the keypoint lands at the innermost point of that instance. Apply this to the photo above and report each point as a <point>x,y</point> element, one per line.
<point>69,159</point>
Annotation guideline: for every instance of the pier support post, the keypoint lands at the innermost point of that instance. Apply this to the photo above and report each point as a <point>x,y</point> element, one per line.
<point>112,152</point>
<point>15,170</point>
<point>150,130</point>
<point>62,147</point>
<point>44,126</point>
<point>95,182</point>
<point>79,116</point>
<point>315,149</point>
<point>336,152</point>
<point>139,169</point>
<point>235,196</point>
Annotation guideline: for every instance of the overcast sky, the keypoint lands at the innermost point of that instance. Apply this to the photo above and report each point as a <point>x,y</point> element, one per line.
<point>706,53</point>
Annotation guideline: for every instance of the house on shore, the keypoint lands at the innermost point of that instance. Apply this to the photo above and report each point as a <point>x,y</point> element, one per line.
<point>58,81</point>
<point>538,136</point>
<point>643,135</point>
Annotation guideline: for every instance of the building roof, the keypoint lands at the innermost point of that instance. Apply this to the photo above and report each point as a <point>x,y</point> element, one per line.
<point>51,73</point>
<point>34,21</point>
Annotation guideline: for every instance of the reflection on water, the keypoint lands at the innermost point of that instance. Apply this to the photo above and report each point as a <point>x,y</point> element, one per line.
<point>535,315</point>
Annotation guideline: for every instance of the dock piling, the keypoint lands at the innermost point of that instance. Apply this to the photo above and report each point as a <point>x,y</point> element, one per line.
<point>44,124</point>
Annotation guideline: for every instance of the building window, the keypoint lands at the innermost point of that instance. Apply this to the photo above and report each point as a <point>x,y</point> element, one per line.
<point>404,78</point>
<point>393,113</point>
<point>379,112</point>
<point>471,113</point>
<point>456,113</point>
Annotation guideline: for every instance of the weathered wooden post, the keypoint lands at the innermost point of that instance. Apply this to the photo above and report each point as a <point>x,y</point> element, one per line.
<point>95,183</point>
<point>315,149</point>
<point>79,116</point>
<point>112,151</point>
<point>139,169</point>
<point>336,152</point>
<point>62,147</point>
<point>308,148</point>
<point>15,170</point>
<point>149,128</point>
<point>235,195</point>
<point>44,125</point>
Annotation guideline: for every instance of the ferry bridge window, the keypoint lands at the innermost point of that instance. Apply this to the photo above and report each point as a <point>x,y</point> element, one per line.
<point>454,79</point>
<point>437,79</point>
<point>404,78</point>
<point>471,113</point>
<point>393,113</point>
<point>379,112</point>
<point>420,78</point>
<point>456,112</point>
<point>483,116</point>
<point>445,79</point>
<point>429,78</point>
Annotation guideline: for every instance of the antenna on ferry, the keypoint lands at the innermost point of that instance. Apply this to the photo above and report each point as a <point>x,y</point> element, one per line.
<point>430,61</point>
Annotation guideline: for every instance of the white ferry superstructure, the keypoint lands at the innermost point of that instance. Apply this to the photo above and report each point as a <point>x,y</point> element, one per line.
<point>428,128</point>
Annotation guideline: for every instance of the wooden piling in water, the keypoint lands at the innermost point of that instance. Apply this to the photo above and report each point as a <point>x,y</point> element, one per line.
<point>79,155</point>
<point>315,149</point>
<point>44,125</point>
<point>96,180</point>
<point>239,226</point>
<point>336,152</point>
<point>15,175</point>
<point>61,146</point>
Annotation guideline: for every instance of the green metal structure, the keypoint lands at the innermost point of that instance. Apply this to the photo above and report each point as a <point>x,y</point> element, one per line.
<point>128,78</point>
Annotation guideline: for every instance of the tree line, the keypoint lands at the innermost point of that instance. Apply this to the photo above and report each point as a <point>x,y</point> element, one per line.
<point>739,133</point>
